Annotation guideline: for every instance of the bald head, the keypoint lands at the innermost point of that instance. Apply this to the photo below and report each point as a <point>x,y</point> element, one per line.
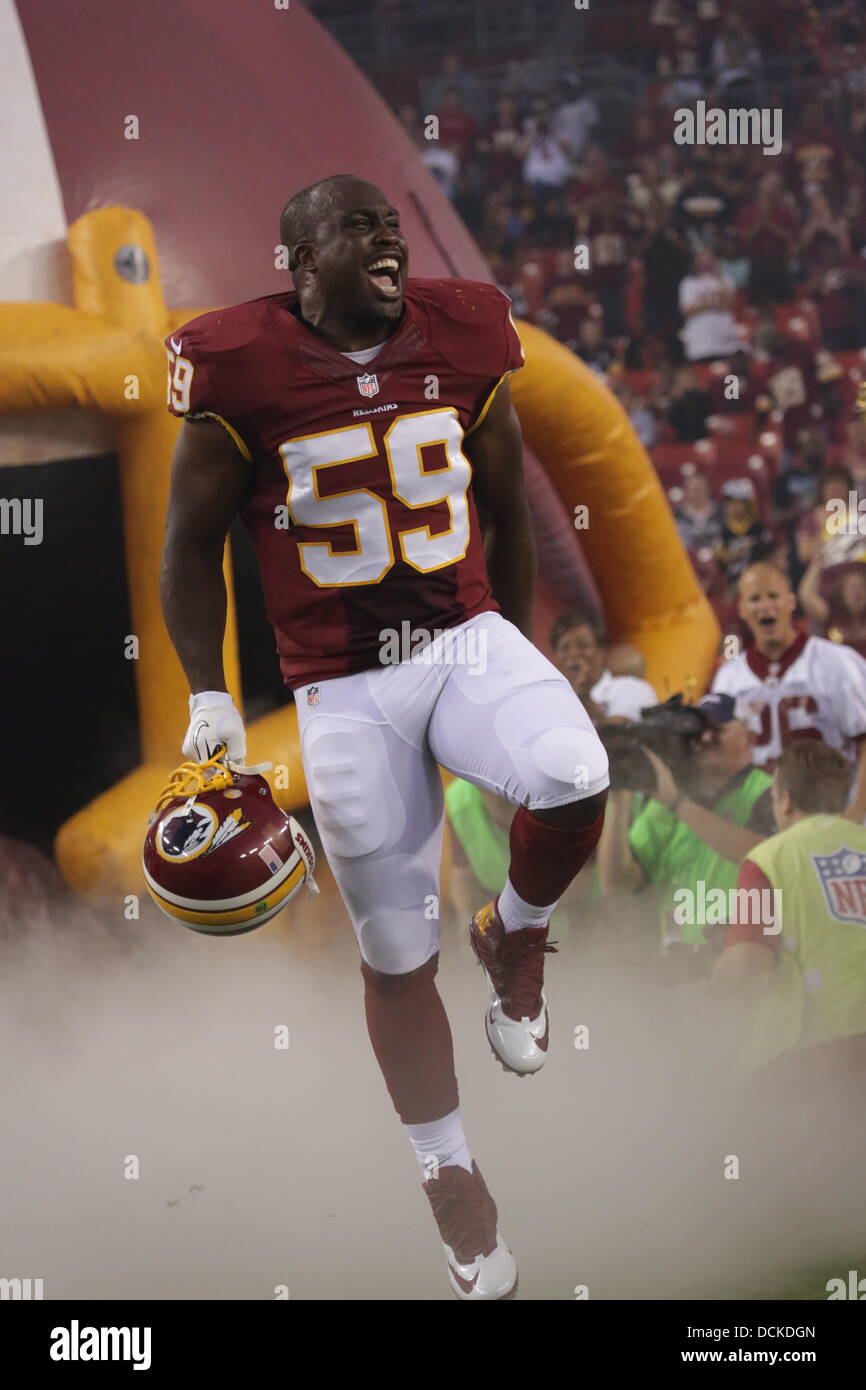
<point>349,260</point>
<point>765,572</point>
<point>308,211</point>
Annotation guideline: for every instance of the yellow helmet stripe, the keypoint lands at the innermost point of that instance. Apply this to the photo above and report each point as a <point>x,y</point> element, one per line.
<point>227,916</point>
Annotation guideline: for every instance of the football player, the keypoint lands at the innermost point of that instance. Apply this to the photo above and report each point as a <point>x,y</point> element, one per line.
<point>790,686</point>
<point>360,423</point>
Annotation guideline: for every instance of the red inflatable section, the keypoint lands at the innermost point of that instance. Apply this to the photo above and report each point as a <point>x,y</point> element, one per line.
<point>238,106</point>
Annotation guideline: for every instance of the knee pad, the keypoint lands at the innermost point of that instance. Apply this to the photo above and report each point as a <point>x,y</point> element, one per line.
<point>394,906</point>
<point>352,789</point>
<point>564,760</point>
<point>555,751</point>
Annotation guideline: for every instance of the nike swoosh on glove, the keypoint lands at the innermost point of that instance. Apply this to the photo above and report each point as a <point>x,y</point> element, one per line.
<point>213,720</point>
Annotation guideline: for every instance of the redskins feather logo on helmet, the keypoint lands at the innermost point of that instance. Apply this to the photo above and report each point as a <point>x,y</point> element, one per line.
<point>219,855</point>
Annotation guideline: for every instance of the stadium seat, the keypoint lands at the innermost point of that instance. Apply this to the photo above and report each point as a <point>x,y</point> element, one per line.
<point>800,320</point>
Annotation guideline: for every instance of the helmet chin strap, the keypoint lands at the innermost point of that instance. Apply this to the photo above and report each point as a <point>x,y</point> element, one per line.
<point>219,761</point>
<point>213,775</point>
<point>247,771</point>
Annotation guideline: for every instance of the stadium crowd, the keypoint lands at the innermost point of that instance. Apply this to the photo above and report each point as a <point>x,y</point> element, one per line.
<point>721,292</point>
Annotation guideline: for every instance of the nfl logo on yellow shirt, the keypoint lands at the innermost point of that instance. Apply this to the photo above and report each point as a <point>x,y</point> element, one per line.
<point>843,879</point>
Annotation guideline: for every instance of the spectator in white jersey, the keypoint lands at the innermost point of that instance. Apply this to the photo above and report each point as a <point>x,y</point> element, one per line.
<point>579,646</point>
<point>706,300</point>
<point>790,686</point>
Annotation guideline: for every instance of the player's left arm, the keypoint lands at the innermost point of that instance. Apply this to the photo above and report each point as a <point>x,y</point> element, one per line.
<point>495,450</point>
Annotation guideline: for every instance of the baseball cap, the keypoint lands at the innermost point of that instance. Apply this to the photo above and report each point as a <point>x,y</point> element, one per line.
<point>717,708</point>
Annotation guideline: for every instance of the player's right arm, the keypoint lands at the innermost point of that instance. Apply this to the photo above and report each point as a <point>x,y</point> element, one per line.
<point>208,483</point>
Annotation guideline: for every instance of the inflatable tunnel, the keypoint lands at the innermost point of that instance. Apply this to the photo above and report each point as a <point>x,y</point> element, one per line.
<point>159,161</point>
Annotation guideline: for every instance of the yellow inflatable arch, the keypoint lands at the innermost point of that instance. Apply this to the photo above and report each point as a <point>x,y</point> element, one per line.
<point>106,354</point>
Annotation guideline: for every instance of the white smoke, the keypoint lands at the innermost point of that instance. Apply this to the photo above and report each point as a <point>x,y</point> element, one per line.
<point>262,1167</point>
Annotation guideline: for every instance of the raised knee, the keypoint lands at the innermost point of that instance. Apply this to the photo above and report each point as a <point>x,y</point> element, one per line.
<point>575,815</point>
<point>570,759</point>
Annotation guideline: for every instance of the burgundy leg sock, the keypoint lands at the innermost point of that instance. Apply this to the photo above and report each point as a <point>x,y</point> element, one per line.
<point>411,1038</point>
<point>545,858</point>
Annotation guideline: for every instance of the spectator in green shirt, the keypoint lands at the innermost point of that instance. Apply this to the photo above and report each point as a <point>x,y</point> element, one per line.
<point>683,840</point>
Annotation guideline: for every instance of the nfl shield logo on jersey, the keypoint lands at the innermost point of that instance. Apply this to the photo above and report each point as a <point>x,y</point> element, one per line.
<point>843,879</point>
<point>312,694</point>
<point>368,384</point>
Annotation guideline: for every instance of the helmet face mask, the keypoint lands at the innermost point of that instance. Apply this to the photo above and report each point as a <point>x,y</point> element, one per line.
<point>220,857</point>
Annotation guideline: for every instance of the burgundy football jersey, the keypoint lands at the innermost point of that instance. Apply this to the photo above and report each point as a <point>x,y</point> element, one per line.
<point>361,503</point>
<point>790,381</point>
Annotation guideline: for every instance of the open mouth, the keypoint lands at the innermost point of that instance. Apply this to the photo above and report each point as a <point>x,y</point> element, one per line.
<point>385,275</point>
<point>766,622</point>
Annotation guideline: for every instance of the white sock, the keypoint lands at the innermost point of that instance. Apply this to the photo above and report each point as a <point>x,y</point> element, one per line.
<point>440,1143</point>
<point>516,913</point>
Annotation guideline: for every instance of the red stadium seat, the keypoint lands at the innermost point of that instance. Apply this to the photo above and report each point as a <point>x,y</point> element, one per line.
<point>732,427</point>
<point>745,464</point>
<point>800,320</point>
<point>853,361</point>
<point>770,445</point>
<point>640,380</point>
<point>670,458</point>
<point>703,371</point>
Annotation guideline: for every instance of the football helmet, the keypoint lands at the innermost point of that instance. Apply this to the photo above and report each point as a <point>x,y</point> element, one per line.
<point>219,855</point>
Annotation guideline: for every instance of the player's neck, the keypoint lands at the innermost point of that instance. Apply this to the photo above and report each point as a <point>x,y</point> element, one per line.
<point>774,648</point>
<point>346,335</point>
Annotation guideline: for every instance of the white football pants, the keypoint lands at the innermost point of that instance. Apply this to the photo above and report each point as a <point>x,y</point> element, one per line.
<point>486,705</point>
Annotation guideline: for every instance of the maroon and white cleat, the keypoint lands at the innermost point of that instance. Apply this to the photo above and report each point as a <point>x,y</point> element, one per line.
<point>480,1265</point>
<point>516,1021</point>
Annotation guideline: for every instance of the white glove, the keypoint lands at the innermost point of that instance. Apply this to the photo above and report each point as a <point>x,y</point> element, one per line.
<point>213,720</point>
